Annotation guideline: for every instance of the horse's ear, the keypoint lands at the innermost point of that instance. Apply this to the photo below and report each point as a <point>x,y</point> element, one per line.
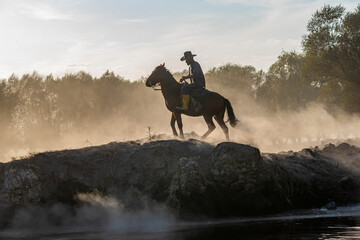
<point>163,64</point>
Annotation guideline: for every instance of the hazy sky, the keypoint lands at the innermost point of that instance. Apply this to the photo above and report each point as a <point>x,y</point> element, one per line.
<point>132,37</point>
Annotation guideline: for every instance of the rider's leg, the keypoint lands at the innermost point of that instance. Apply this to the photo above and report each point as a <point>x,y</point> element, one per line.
<point>185,90</point>
<point>185,102</point>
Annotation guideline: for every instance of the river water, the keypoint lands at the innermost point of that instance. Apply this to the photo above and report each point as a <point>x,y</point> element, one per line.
<point>342,223</point>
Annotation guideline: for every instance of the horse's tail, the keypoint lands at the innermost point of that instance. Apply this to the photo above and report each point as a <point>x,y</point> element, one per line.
<point>233,121</point>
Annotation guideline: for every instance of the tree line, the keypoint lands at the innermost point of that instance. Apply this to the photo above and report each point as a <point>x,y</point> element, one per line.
<point>326,71</point>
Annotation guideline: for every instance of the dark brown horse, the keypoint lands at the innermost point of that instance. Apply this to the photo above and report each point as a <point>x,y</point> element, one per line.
<point>214,107</point>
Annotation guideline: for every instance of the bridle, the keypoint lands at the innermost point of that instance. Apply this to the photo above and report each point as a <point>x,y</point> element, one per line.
<point>157,86</point>
<point>154,87</point>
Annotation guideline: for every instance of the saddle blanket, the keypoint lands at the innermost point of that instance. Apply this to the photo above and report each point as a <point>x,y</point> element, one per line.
<point>198,98</point>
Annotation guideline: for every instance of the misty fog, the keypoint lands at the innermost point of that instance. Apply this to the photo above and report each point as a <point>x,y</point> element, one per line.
<point>43,113</point>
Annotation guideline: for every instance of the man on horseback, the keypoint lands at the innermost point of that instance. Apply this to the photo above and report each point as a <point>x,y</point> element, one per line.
<point>196,77</point>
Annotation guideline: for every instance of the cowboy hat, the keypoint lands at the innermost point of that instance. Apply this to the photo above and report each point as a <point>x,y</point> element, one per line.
<point>187,55</point>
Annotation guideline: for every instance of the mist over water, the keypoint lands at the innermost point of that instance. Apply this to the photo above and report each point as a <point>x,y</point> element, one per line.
<point>102,217</point>
<point>94,212</point>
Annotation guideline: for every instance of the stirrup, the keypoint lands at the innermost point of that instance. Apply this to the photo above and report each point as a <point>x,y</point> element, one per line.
<point>182,108</point>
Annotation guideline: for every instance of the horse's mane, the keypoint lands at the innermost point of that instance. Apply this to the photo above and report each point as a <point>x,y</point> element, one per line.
<point>167,72</point>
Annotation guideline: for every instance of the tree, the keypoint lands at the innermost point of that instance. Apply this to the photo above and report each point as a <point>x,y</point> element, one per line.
<point>332,56</point>
<point>243,79</point>
<point>283,87</point>
<point>332,46</point>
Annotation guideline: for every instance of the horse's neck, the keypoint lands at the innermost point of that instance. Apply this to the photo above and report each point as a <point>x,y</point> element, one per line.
<point>169,86</point>
<point>170,89</point>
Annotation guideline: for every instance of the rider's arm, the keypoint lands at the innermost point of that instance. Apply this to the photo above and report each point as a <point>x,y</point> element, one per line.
<point>186,77</point>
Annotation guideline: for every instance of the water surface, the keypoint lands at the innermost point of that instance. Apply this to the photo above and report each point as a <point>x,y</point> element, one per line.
<point>342,223</point>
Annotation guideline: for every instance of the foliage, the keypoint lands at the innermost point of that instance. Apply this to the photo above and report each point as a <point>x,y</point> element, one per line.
<point>242,79</point>
<point>283,87</point>
<point>332,56</point>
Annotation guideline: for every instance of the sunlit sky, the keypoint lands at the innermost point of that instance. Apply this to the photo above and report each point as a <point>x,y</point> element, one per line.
<point>131,37</point>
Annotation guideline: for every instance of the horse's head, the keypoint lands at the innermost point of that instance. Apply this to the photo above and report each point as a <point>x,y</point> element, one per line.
<point>156,76</point>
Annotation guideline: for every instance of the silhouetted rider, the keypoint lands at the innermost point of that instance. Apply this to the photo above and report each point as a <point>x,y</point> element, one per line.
<point>196,77</point>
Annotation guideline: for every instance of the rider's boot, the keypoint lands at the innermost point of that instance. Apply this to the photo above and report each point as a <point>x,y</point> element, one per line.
<point>185,102</point>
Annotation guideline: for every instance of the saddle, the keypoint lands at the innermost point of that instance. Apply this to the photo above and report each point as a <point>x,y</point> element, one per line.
<point>198,97</point>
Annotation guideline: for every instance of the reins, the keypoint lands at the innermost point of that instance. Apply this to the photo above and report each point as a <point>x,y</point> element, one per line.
<point>159,85</point>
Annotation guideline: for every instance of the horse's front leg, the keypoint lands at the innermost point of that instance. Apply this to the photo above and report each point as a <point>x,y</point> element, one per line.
<point>180,125</point>
<point>172,124</point>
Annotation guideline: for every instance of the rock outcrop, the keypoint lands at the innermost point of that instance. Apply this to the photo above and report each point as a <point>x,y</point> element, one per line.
<point>193,178</point>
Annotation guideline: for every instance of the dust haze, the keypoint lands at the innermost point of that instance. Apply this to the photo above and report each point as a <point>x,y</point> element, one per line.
<point>139,113</point>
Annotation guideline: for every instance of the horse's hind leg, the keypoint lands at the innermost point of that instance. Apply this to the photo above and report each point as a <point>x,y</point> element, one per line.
<point>220,120</point>
<point>211,126</point>
<point>180,125</point>
<point>172,124</point>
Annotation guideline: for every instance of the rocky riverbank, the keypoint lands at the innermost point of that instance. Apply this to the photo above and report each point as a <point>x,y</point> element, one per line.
<point>193,179</point>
